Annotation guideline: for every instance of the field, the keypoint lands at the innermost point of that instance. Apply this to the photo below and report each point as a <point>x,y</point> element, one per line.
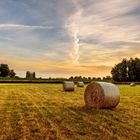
<point>44,111</point>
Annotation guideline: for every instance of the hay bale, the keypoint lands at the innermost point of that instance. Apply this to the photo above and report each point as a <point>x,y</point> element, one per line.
<point>68,86</point>
<point>80,84</point>
<point>132,84</point>
<point>101,95</point>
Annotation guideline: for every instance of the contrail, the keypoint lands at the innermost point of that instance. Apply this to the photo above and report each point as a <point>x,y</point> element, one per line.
<point>76,47</point>
<point>74,32</point>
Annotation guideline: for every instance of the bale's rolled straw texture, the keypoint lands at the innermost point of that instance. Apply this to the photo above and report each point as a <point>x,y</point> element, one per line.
<point>68,86</point>
<point>132,84</point>
<point>80,84</point>
<point>101,95</point>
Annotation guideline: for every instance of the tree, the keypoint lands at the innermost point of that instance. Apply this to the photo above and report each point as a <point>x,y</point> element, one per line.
<point>137,69</point>
<point>127,70</point>
<point>119,72</point>
<point>71,78</point>
<point>27,74</point>
<point>99,78</point>
<point>12,74</point>
<point>76,77</point>
<point>108,78</point>
<point>131,70</point>
<point>123,71</point>
<point>4,70</point>
<point>79,77</point>
<point>115,73</point>
<point>94,78</point>
<point>89,78</point>
<point>33,75</point>
<point>84,78</point>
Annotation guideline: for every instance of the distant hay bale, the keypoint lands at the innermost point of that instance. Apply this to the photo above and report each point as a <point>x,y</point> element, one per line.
<point>101,95</point>
<point>132,84</point>
<point>80,84</point>
<point>68,86</point>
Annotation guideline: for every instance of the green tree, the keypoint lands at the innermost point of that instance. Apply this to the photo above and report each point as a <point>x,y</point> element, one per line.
<point>108,78</point>
<point>89,78</point>
<point>12,74</point>
<point>4,70</point>
<point>115,73</point>
<point>137,69</point>
<point>127,70</point>
<point>71,78</point>
<point>123,76</point>
<point>131,70</point>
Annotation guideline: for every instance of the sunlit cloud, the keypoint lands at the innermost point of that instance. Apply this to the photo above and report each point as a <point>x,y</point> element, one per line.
<point>64,38</point>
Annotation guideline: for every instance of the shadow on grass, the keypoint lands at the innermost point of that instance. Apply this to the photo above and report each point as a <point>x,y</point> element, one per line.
<point>92,111</point>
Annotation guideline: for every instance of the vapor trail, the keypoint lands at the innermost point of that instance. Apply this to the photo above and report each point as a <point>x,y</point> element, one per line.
<point>73,30</point>
<point>76,47</point>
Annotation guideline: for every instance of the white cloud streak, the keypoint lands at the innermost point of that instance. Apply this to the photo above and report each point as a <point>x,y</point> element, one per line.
<point>21,26</point>
<point>91,33</point>
<point>103,22</point>
<point>74,30</point>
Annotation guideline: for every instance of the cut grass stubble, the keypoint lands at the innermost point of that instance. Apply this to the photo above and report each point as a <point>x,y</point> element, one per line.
<point>45,111</point>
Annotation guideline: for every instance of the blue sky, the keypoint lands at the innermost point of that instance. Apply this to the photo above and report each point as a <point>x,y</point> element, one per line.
<point>60,38</point>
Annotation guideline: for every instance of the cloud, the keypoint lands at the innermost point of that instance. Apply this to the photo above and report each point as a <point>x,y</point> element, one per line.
<point>21,26</point>
<point>69,37</point>
<point>46,68</point>
<point>108,56</point>
<point>30,45</point>
<point>97,20</point>
<point>101,28</point>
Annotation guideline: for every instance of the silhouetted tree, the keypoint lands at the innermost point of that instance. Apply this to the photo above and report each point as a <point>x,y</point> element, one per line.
<point>99,79</point>
<point>84,78</point>
<point>89,78</point>
<point>71,78</point>
<point>27,74</point>
<point>33,75</point>
<point>108,78</point>
<point>131,70</point>
<point>94,78</point>
<point>12,74</point>
<point>137,69</point>
<point>123,71</point>
<point>76,77</point>
<point>4,70</point>
<point>127,70</point>
<point>79,77</point>
<point>115,73</point>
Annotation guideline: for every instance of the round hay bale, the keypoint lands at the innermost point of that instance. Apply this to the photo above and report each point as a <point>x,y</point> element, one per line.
<point>101,95</point>
<point>80,84</point>
<point>132,84</point>
<point>68,86</point>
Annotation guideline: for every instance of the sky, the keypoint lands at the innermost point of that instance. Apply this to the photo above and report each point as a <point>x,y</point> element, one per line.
<point>61,38</point>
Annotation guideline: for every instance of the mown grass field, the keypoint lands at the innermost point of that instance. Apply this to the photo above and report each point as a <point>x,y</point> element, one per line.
<point>44,111</point>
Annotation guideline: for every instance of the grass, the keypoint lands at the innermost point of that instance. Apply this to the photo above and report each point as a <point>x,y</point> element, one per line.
<point>39,80</point>
<point>44,111</point>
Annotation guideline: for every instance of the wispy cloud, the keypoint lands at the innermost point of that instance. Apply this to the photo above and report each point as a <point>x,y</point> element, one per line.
<point>98,25</point>
<point>81,36</point>
<point>21,26</point>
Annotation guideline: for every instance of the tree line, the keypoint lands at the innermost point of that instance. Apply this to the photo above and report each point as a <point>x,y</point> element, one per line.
<point>127,70</point>
<point>6,72</point>
<point>107,78</point>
